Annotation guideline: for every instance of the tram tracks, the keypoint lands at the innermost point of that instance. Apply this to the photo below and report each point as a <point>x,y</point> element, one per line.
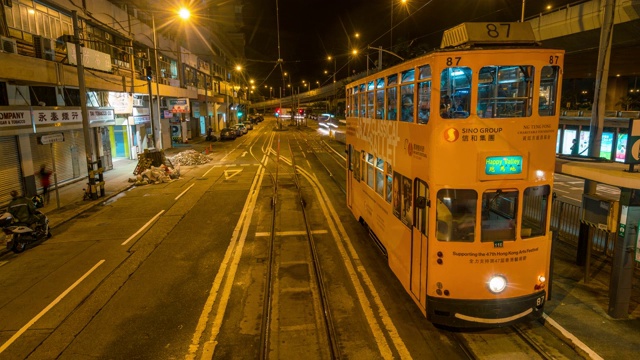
<point>297,318</point>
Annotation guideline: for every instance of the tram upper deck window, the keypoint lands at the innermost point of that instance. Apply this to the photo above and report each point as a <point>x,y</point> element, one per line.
<point>456,215</point>
<point>380,99</point>
<point>535,206</point>
<point>505,91</point>
<point>406,94</point>
<point>392,97</point>
<point>370,99</point>
<point>548,90</point>
<point>355,103</point>
<point>455,85</point>
<point>424,94</point>
<point>499,215</point>
<point>363,101</point>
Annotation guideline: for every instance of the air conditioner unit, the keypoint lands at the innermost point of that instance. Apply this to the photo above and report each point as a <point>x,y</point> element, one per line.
<point>9,45</point>
<point>44,48</point>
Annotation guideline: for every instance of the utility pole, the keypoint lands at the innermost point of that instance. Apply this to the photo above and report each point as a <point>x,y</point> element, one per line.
<point>88,139</point>
<point>156,126</point>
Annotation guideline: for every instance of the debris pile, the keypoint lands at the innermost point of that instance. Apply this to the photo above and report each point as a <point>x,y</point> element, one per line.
<point>190,157</point>
<point>157,175</point>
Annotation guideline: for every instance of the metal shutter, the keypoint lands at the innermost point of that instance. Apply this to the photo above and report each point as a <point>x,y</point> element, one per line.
<point>70,156</point>
<point>10,171</point>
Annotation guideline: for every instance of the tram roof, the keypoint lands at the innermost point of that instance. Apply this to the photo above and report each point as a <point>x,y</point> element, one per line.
<point>487,33</point>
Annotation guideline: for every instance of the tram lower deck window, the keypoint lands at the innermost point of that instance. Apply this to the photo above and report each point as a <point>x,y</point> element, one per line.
<point>499,215</point>
<point>535,207</point>
<point>456,215</point>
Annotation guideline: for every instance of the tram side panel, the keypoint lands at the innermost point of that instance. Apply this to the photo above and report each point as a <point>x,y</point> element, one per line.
<point>391,227</point>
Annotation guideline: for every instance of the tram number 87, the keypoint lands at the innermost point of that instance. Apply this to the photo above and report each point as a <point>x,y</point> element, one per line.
<point>540,301</point>
<point>492,30</point>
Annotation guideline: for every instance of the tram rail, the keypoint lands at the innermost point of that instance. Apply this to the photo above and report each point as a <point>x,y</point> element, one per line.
<point>285,263</point>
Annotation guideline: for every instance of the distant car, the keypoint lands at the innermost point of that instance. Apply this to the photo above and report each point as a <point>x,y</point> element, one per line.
<point>255,118</point>
<point>242,128</point>
<point>228,134</point>
<point>248,125</point>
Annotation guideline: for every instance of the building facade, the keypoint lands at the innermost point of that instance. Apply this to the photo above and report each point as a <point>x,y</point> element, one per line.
<point>150,81</point>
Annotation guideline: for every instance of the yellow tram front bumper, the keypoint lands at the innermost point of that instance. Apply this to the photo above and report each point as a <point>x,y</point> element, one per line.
<point>461,313</point>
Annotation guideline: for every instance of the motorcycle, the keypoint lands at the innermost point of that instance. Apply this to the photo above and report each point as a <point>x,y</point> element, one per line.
<point>18,235</point>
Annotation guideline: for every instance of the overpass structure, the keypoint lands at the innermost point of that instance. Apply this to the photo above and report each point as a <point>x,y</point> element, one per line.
<point>574,28</point>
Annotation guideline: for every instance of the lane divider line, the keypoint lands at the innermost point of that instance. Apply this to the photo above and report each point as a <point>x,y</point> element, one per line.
<point>187,189</point>
<point>49,307</point>
<point>143,227</point>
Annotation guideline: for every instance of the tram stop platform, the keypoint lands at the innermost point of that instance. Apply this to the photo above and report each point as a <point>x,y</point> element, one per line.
<point>577,310</point>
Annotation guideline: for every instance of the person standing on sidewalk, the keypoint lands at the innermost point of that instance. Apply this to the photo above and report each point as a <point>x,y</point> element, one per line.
<point>45,182</point>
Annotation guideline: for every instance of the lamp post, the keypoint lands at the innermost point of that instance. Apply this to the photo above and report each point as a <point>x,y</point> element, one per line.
<point>156,125</point>
<point>349,52</point>
<point>334,66</point>
<point>522,16</point>
<point>391,28</point>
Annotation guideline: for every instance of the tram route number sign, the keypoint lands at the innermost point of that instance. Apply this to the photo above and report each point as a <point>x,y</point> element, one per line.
<point>50,138</point>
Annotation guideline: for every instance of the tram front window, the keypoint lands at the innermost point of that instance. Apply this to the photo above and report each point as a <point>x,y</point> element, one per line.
<point>505,91</point>
<point>499,211</point>
<point>456,215</point>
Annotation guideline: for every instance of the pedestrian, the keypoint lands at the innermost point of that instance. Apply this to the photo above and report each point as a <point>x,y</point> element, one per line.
<point>575,148</point>
<point>45,182</point>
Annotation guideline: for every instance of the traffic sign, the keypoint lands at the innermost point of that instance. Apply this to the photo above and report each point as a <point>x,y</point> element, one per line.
<point>50,138</point>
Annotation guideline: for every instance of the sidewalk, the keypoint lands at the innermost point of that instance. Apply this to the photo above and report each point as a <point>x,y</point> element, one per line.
<point>116,181</point>
<point>577,311</point>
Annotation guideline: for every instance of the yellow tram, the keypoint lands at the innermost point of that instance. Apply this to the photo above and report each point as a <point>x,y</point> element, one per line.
<point>450,166</point>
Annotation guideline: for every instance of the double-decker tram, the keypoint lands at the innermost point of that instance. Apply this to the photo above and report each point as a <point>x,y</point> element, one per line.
<point>450,166</point>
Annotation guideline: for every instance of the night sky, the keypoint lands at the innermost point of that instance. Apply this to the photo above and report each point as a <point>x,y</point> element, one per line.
<point>312,29</point>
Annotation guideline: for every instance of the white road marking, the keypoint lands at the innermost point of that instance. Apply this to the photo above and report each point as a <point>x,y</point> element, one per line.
<point>46,309</point>
<point>182,193</point>
<point>3,262</point>
<point>228,174</point>
<point>143,227</point>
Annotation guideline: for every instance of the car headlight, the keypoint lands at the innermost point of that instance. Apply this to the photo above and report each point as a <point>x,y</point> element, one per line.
<point>497,284</point>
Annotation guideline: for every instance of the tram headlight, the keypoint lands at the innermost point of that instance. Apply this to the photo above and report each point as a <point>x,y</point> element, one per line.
<point>497,284</point>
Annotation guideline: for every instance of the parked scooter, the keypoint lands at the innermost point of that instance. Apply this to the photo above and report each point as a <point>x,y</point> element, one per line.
<point>19,235</point>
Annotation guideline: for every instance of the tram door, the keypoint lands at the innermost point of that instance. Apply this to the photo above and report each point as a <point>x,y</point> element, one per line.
<point>419,241</point>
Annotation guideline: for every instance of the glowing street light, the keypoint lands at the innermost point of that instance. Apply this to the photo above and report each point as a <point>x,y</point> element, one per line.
<point>184,13</point>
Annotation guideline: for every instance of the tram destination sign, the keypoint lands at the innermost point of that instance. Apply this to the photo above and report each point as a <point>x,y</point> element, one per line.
<point>50,138</point>
<point>503,165</point>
